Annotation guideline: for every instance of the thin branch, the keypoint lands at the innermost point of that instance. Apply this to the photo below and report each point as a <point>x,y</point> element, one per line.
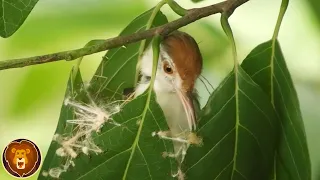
<point>192,15</point>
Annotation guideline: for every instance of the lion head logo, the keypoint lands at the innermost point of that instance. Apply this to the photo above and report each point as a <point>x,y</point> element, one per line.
<point>21,158</point>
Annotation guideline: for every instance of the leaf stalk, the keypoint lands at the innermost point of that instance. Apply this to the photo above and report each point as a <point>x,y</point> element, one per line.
<point>177,8</point>
<point>227,29</point>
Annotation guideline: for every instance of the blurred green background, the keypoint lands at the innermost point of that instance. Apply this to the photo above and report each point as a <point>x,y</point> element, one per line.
<point>31,97</point>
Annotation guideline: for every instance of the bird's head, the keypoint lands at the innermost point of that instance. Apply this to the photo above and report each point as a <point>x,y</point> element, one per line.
<point>179,66</point>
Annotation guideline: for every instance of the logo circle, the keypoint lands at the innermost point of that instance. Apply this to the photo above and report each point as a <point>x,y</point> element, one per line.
<point>21,158</point>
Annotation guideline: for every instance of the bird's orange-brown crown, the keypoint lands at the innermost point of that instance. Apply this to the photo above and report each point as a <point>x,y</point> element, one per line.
<point>186,56</point>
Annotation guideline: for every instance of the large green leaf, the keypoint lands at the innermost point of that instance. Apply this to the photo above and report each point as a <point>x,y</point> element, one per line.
<point>132,151</point>
<point>129,151</point>
<point>73,91</point>
<point>13,14</point>
<point>239,130</point>
<point>273,76</point>
<point>135,150</point>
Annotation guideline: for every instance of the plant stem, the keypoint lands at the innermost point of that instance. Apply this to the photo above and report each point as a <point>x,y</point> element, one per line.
<point>143,42</point>
<point>192,15</point>
<point>283,9</point>
<point>227,29</point>
<point>156,52</point>
<point>177,8</point>
<point>79,60</point>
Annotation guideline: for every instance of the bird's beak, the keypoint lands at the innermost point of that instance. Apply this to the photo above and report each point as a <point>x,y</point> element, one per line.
<point>187,101</point>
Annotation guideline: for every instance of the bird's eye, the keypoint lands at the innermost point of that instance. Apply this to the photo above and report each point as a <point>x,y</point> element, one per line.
<point>167,68</point>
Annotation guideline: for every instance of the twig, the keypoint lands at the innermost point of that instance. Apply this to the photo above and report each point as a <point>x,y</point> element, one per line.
<point>192,15</point>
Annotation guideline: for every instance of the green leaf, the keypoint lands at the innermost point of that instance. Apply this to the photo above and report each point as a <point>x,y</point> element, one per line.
<point>273,76</point>
<point>117,70</point>
<point>119,143</point>
<point>73,90</point>
<point>132,153</point>
<point>239,130</point>
<point>13,14</point>
<point>129,151</point>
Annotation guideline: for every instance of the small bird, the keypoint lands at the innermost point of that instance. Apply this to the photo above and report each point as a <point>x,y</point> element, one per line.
<point>179,66</point>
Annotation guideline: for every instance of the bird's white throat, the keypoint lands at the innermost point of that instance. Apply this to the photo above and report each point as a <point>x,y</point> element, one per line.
<point>166,95</point>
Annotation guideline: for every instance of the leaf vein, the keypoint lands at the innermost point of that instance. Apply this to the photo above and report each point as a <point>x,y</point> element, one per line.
<point>288,85</point>
<point>164,144</point>
<point>261,52</point>
<point>291,123</point>
<point>111,78</point>
<point>102,163</point>
<point>257,141</point>
<point>222,108</point>
<point>224,169</point>
<point>241,174</point>
<point>269,120</point>
<point>99,135</point>
<point>259,71</point>
<point>144,158</point>
<point>224,137</point>
<point>290,151</point>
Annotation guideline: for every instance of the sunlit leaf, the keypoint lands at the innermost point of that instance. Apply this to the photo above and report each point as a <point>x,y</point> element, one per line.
<point>273,76</point>
<point>13,14</point>
<point>239,130</point>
